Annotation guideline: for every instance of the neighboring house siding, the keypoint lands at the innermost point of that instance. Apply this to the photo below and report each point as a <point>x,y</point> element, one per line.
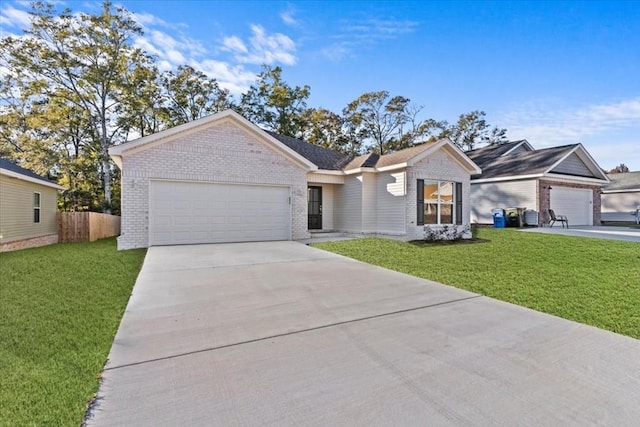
<point>438,166</point>
<point>223,153</point>
<point>572,165</point>
<point>520,149</point>
<point>16,210</point>
<point>492,195</point>
<point>391,197</point>
<point>618,206</point>
<point>348,198</point>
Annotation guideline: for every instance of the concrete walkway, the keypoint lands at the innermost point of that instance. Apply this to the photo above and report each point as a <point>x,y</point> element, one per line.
<point>284,334</point>
<point>597,232</point>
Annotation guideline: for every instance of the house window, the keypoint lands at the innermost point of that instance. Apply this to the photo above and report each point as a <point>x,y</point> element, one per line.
<point>439,202</point>
<point>36,207</point>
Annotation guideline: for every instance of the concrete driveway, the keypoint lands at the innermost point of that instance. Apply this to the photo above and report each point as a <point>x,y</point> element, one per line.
<point>284,334</point>
<point>629,234</point>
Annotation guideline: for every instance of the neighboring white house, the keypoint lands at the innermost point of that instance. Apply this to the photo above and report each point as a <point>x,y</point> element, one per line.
<point>566,179</point>
<point>223,179</point>
<point>621,198</point>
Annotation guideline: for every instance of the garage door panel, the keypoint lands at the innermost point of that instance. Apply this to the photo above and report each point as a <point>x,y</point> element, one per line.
<point>575,203</point>
<point>188,212</point>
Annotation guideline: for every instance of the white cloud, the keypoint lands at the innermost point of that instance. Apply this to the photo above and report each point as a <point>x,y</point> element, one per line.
<point>263,48</point>
<point>147,19</point>
<point>609,130</point>
<point>234,78</point>
<point>553,126</point>
<point>12,17</point>
<point>234,44</point>
<point>366,33</point>
<point>288,18</point>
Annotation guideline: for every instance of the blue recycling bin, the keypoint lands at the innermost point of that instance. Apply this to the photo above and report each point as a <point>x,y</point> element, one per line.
<point>499,218</point>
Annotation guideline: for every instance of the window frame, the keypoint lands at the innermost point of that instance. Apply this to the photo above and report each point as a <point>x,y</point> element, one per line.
<point>37,205</point>
<point>456,203</point>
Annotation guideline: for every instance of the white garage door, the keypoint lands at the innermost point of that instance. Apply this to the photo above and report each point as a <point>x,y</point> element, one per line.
<point>575,203</point>
<point>189,212</point>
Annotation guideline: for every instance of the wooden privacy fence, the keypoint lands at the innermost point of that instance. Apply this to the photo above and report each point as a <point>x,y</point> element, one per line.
<point>86,226</point>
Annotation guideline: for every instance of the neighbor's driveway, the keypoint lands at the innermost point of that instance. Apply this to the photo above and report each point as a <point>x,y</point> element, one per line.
<point>284,334</point>
<point>629,234</point>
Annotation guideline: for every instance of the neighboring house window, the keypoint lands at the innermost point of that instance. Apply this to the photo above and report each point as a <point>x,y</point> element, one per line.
<point>36,207</point>
<point>439,202</point>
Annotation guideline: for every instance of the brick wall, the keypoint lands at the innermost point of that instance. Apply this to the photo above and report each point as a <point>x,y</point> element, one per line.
<point>29,243</point>
<point>438,166</point>
<point>223,152</point>
<point>544,199</point>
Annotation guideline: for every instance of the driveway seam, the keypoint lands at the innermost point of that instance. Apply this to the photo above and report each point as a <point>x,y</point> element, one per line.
<point>216,267</point>
<point>315,328</point>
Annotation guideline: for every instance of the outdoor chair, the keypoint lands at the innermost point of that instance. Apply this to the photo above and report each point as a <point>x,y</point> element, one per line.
<point>553,218</point>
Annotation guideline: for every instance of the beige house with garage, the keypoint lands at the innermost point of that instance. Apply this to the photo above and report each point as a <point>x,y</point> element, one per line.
<point>515,175</point>
<point>28,208</point>
<point>223,179</point>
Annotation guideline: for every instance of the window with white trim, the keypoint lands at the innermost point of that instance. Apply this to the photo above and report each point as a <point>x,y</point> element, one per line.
<point>36,207</point>
<point>439,202</point>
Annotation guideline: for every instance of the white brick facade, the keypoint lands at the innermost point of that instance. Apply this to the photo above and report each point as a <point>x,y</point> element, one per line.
<point>438,166</point>
<point>226,149</point>
<point>223,152</point>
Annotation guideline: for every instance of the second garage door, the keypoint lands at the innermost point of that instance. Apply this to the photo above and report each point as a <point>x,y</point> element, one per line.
<point>191,212</point>
<point>575,203</point>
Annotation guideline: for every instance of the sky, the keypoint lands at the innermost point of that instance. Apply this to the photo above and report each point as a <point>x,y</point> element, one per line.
<point>550,72</point>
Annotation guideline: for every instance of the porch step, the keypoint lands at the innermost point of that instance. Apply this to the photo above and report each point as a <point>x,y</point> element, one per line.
<point>326,234</point>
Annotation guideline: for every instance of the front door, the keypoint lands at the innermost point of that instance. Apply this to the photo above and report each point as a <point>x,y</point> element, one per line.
<point>315,208</point>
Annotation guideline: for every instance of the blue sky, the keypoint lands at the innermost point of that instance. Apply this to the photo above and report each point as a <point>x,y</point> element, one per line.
<point>551,72</point>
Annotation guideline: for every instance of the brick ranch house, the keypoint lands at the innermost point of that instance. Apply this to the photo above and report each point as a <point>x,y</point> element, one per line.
<point>223,179</point>
<point>566,179</point>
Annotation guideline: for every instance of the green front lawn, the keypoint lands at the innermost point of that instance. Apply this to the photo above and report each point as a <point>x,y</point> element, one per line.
<point>593,281</point>
<point>61,306</point>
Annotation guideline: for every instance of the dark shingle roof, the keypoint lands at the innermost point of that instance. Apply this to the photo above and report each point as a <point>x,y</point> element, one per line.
<point>522,163</point>
<point>485,154</point>
<point>10,166</point>
<point>324,158</point>
<point>623,181</point>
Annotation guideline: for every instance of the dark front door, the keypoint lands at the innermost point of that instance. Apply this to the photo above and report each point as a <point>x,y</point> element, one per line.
<point>315,208</point>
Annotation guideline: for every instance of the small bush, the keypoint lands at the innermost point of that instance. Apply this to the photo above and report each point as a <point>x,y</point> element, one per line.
<point>445,232</point>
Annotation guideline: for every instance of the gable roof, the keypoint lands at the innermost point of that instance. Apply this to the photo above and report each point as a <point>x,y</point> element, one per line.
<point>409,156</point>
<point>312,156</point>
<point>623,182</point>
<point>324,158</point>
<point>484,154</point>
<point>503,161</point>
<point>12,170</point>
<point>161,137</point>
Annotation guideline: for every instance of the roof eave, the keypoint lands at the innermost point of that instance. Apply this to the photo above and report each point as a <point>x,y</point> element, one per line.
<point>22,177</point>
<point>623,190</point>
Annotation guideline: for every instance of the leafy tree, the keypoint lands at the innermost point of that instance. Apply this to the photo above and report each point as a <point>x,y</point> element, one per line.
<point>82,60</point>
<point>472,129</point>
<point>190,95</point>
<point>272,103</point>
<point>324,128</point>
<point>621,168</point>
<point>379,118</point>
<point>141,110</point>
